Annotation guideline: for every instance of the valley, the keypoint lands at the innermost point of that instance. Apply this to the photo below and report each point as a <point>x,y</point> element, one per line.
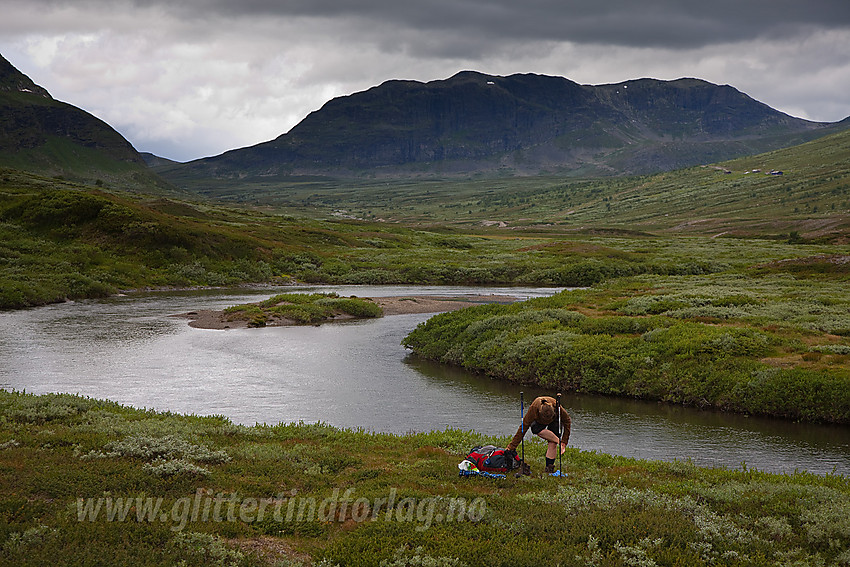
<point>702,237</point>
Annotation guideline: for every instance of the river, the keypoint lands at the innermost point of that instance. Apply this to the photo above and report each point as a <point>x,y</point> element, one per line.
<point>356,375</point>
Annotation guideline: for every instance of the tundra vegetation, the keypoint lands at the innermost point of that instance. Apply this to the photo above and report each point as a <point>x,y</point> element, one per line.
<point>302,308</point>
<point>61,240</point>
<point>715,289</point>
<point>60,452</point>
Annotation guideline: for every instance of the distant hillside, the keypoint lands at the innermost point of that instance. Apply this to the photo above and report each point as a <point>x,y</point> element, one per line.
<point>154,161</point>
<point>740,197</point>
<point>42,135</point>
<point>520,124</point>
<point>804,189</point>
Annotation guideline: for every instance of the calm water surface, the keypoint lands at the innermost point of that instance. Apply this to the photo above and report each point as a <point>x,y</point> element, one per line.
<point>355,374</point>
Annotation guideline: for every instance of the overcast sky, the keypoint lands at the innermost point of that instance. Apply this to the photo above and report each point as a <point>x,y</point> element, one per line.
<point>192,78</point>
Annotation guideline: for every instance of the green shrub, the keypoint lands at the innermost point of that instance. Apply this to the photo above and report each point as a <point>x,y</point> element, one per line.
<point>618,325</point>
<point>832,349</point>
<point>303,308</point>
<point>302,312</point>
<point>708,312</point>
<point>651,305</point>
<point>40,409</point>
<point>353,306</point>
<point>736,300</point>
<point>168,468</point>
<point>418,558</point>
<point>167,447</point>
<point>294,299</point>
<point>207,549</point>
<point>258,320</point>
<point>651,357</point>
<point>796,393</point>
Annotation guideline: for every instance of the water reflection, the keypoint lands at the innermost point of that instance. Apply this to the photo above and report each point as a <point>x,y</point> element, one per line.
<point>354,374</point>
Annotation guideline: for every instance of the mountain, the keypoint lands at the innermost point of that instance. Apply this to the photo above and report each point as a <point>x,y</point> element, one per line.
<point>41,135</point>
<point>519,124</point>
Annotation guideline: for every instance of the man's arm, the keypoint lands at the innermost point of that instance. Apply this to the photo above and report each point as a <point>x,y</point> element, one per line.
<point>527,420</point>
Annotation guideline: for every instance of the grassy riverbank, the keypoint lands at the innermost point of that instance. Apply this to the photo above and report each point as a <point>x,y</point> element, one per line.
<point>764,343</point>
<point>63,456</point>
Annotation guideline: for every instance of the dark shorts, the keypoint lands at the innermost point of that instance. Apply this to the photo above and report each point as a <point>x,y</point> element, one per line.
<point>536,428</point>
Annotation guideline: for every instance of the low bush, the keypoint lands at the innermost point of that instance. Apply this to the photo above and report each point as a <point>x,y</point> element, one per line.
<point>353,306</point>
<point>168,447</point>
<point>832,349</point>
<point>173,467</point>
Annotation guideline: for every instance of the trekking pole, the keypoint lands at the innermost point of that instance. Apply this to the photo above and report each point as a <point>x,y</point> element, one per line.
<point>560,433</point>
<point>522,425</point>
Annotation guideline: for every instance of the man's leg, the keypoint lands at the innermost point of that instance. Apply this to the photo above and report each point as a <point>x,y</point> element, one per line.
<point>551,450</point>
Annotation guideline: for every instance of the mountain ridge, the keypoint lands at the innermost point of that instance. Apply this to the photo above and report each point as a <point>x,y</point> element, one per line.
<point>518,124</point>
<point>42,135</point>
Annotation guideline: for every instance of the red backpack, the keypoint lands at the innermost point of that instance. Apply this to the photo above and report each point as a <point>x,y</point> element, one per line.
<point>491,459</point>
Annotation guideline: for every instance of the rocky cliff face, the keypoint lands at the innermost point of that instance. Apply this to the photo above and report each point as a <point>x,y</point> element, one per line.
<point>12,80</point>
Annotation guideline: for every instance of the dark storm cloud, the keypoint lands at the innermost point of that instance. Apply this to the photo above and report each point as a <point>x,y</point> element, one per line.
<point>186,78</point>
<point>631,23</point>
<point>654,23</point>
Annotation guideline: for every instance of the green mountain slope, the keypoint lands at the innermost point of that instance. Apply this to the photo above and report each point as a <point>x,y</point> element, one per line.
<point>811,197</point>
<point>803,189</point>
<point>48,137</point>
<point>520,124</point>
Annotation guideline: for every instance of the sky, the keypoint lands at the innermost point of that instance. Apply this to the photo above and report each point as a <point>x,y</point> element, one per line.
<point>186,79</point>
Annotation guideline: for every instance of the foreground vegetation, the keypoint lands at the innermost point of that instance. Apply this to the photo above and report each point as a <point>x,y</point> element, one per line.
<point>60,452</point>
<point>761,343</point>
